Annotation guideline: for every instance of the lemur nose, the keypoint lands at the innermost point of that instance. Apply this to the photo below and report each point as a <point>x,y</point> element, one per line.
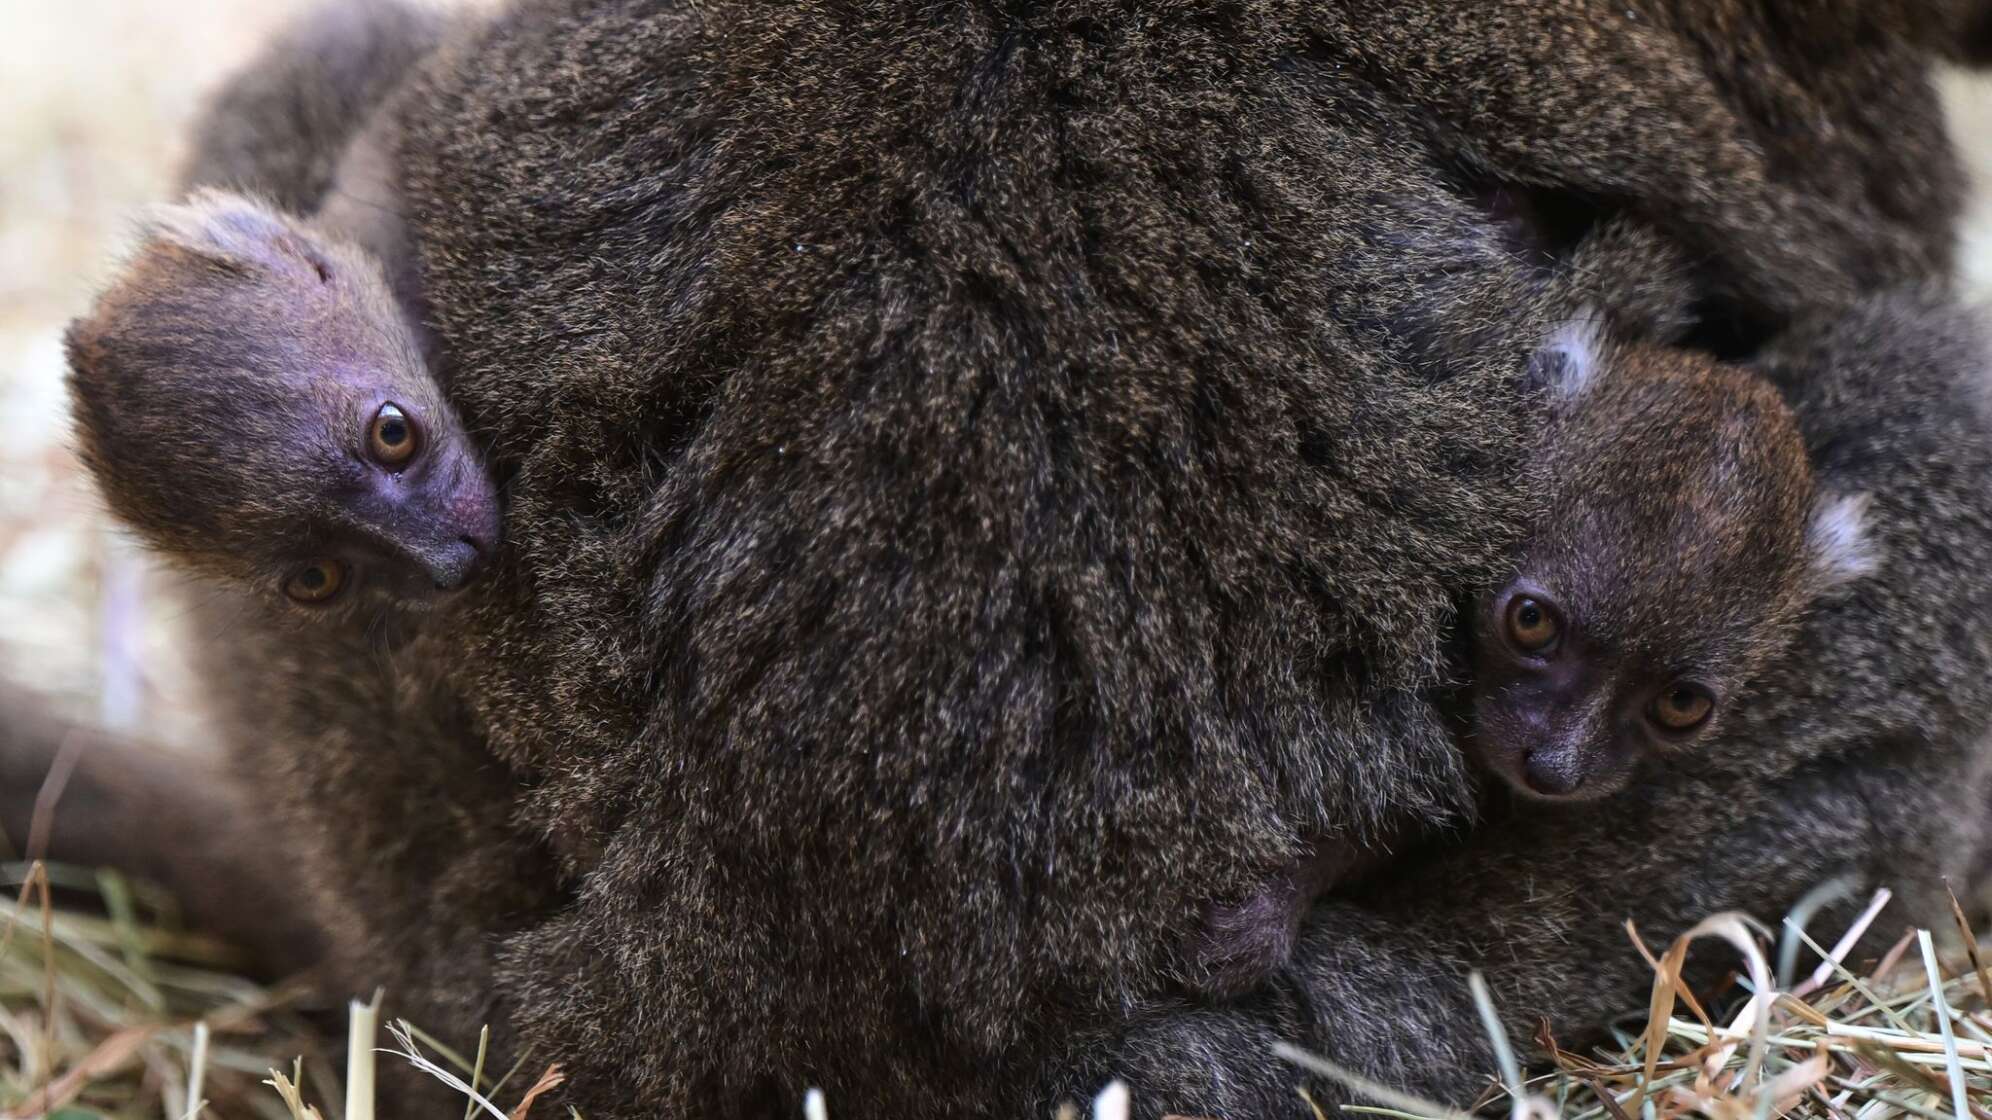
<point>464,558</point>
<point>478,543</point>
<point>1550,772</point>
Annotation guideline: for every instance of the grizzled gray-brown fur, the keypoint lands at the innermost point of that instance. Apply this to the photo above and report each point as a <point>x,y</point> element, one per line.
<point>983,481</point>
<point>1684,536</point>
<point>252,399</point>
<point>1845,760</point>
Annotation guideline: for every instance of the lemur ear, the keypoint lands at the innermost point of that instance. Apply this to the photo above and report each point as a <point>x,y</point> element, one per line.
<point>234,231</point>
<point>1842,548</point>
<point>1570,357</point>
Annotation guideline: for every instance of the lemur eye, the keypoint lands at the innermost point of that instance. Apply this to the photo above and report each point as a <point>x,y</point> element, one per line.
<point>317,582</point>
<point>1682,707</point>
<point>392,439</point>
<point>1532,625</point>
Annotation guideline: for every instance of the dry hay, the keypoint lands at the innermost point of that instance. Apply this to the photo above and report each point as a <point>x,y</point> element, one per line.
<point>108,1009</point>
<point>1908,1036</point>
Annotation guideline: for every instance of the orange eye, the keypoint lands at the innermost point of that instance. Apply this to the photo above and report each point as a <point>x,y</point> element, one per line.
<point>391,438</point>
<point>1531,625</point>
<point>1683,707</point>
<point>316,583</point>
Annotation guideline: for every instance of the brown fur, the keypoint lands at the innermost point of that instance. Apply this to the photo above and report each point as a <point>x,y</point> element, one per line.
<point>1684,538</point>
<point>940,550</point>
<point>1675,547</point>
<point>283,125</point>
<point>1625,520</point>
<point>984,480</point>
<point>224,386</point>
<point>1839,764</point>
<point>1795,149</point>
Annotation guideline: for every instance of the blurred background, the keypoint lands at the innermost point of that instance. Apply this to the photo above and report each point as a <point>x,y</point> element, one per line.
<point>97,95</point>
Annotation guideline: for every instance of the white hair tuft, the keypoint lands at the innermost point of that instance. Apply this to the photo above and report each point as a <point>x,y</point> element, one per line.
<point>1842,548</point>
<point>1572,354</point>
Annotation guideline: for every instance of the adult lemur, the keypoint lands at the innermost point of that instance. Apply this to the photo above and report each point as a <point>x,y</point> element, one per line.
<point>983,480</point>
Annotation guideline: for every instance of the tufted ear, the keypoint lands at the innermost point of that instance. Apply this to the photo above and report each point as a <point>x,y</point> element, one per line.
<point>1570,357</point>
<point>1841,546</point>
<point>235,231</point>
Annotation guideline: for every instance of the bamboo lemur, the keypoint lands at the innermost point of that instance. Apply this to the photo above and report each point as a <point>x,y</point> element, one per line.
<point>254,390</point>
<point>253,400</point>
<point>305,127</point>
<point>1685,535</point>
<point>1841,760</point>
<point>985,479</point>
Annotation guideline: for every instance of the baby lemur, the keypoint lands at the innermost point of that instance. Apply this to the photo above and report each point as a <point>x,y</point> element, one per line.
<point>254,401</point>
<point>1684,537</point>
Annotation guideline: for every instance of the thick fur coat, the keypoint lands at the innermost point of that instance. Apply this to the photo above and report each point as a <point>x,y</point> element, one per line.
<point>985,479</point>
